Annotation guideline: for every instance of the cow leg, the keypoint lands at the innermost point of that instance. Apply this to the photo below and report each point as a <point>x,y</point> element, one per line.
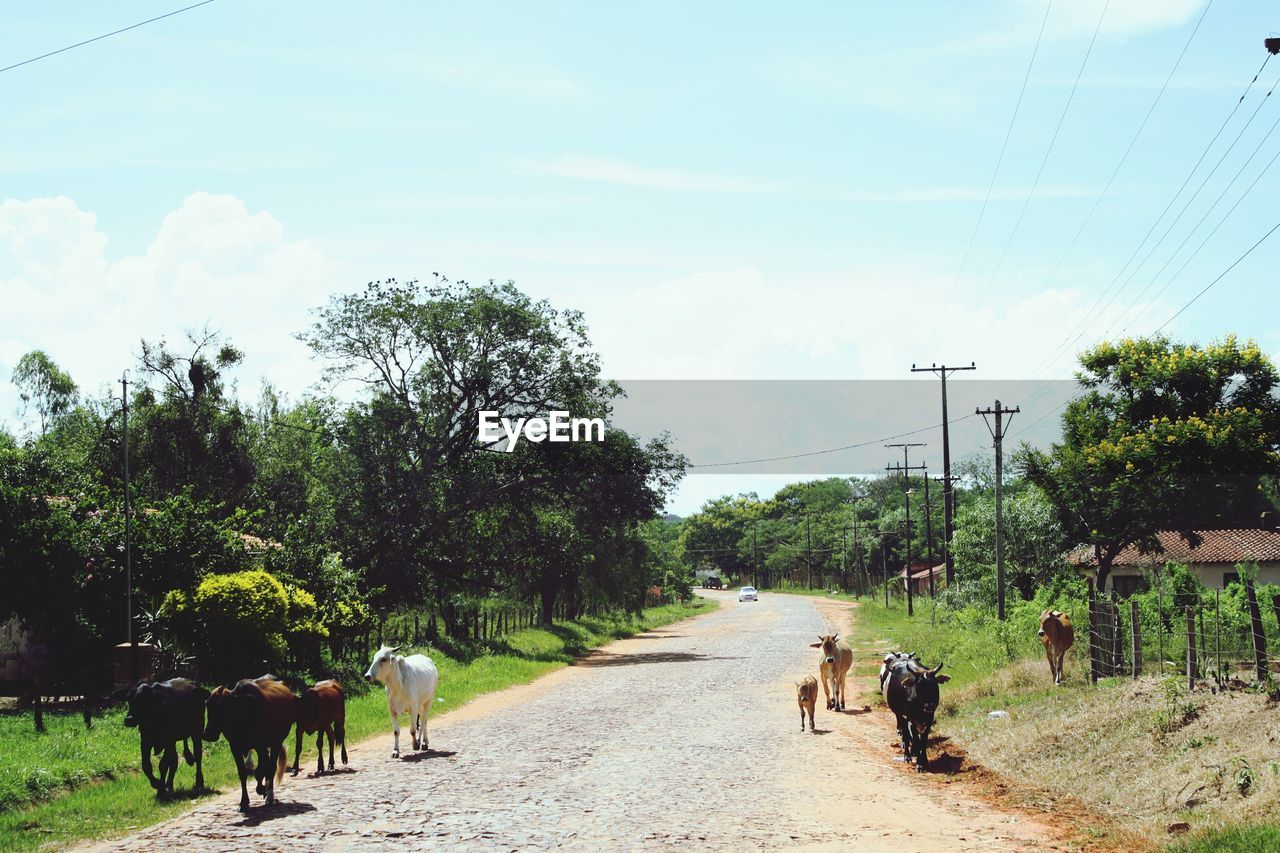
<point>415,728</point>
<point>199,750</point>
<point>1053,667</point>
<point>922,745</point>
<point>841,685</point>
<point>426,712</point>
<point>826,687</point>
<point>186,752</point>
<point>297,748</point>
<point>340,728</point>
<point>395,730</point>
<point>244,778</point>
<point>904,731</point>
<point>275,754</point>
<point>329,731</point>
<point>1058,674</point>
<point>169,766</point>
<point>146,764</point>
<point>263,769</point>
<point>320,752</point>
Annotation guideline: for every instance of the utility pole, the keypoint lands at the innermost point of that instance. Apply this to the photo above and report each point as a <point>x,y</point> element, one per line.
<point>128,536</point>
<point>997,436</point>
<point>928,532</point>
<point>948,501</point>
<point>808,552</point>
<point>755,555</point>
<point>906,468</point>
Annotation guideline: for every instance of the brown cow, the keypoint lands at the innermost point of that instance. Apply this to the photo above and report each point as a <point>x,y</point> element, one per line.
<point>807,698</point>
<point>837,657</point>
<point>321,709</point>
<point>1057,635</point>
<point>256,715</point>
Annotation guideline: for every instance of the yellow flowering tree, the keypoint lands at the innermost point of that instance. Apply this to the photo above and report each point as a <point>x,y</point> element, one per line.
<point>1166,436</point>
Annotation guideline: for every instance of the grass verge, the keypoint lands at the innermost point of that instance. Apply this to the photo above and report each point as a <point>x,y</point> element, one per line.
<point>70,783</point>
<point>1150,756</point>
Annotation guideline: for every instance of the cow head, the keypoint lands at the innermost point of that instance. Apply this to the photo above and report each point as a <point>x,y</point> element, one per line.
<point>382,661</point>
<point>226,711</point>
<point>147,703</point>
<point>887,663</point>
<point>1046,617</point>
<point>921,686</point>
<point>827,642</point>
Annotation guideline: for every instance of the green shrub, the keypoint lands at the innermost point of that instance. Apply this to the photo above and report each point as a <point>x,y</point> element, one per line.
<point>243,617</point>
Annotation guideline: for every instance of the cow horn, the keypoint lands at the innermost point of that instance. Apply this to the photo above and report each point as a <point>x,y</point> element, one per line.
<point>936,669</point>
<point>393,649</point>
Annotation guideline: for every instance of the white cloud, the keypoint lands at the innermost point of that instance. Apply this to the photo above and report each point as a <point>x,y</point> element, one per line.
<point>211,261</point>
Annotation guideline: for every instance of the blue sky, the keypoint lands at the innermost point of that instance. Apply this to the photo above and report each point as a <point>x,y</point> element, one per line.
<point>727,190</point>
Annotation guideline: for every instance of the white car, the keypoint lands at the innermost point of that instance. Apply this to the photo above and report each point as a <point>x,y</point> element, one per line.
<point>748,593</point>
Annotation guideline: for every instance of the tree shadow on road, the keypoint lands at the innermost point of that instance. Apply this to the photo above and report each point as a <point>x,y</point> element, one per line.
<point>599,658</point>
<point>429,754</point>
<point>275,811</point>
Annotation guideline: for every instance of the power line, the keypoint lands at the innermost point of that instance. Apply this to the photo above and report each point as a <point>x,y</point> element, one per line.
<point>104,35</point>
<point>1040,171</point>
<point>1090,313</point>
<point>1219,278</point>
<point>829,450</point>
<point>999,161</point>
<point>1129,150</point>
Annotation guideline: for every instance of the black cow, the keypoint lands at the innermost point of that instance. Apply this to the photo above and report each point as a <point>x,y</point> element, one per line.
<point>911,692</point>
<point>166,712</point>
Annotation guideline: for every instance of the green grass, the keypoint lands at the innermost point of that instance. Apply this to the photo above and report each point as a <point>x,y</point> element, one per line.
<point>1243,839</point>
<point>71,783</point>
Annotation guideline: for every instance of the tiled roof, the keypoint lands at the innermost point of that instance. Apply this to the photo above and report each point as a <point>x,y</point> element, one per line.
<point>1217,546</point>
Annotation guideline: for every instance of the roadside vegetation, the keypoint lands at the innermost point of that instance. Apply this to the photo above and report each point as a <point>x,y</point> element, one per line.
<point>72,783</point>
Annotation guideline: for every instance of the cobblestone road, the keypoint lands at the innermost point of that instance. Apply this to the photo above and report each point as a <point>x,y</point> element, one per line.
<point>687,736</point>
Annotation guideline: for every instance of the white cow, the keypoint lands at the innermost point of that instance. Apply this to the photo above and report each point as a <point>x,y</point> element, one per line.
<point>411,688</point>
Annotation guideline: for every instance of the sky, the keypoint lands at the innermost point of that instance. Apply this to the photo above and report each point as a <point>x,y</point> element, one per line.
<point>729,191</point>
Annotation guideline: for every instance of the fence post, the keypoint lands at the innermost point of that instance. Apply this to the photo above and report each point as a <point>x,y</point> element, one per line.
<point>1275,606</point>
<point>1117,636</point>
<point>1094,662</point>
<point>1217,635</point>
<point>1259,638</point>
<point>1136,631</point>
<point>1191,649</point>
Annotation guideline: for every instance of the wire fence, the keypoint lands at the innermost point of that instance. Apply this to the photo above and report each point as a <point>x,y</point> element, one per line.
<point>1219,637</point>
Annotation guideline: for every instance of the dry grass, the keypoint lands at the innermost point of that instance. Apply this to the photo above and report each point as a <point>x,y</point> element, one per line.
<point>1145,752</point>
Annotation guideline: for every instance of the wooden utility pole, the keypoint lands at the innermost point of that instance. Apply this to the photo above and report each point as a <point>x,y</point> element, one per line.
<point>997,436</point>
<point>906,468</point>
<point>928,533</point>
<point>948,500</point>
<point>128,536</point>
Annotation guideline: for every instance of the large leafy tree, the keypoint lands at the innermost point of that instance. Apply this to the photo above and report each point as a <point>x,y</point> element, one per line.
<point>1165,436</point>
<point>44,386</point>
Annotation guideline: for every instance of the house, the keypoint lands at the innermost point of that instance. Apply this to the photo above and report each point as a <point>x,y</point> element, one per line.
<point>1213,560</point>
<point>920,573</point>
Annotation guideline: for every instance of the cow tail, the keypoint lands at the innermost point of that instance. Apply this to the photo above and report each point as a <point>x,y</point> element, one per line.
<point>281,763</point>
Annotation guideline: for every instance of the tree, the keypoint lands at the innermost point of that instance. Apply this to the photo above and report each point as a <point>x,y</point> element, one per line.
<point>44,385</point>
<point>1166,436</point>
<point>1034,545</point>
<point>434,357</point>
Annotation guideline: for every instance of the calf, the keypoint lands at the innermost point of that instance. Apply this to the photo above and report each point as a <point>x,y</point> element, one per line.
<point>837,657</point>
<point>911,692</point>
<point>1058,635</point>
<point>807,698</point>
<point>321,709</point>
<point>166,712</point>
<point>255,715</point>
<point>411,688</point>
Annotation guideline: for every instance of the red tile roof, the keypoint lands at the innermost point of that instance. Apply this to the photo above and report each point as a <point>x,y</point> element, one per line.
<point>1217,546</point>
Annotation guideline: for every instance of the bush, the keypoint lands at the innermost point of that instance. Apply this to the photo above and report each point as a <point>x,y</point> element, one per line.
<point>243,617</point>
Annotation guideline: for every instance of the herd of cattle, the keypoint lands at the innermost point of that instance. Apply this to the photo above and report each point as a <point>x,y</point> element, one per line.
<point>909,688</point>
<point>255,717</point>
